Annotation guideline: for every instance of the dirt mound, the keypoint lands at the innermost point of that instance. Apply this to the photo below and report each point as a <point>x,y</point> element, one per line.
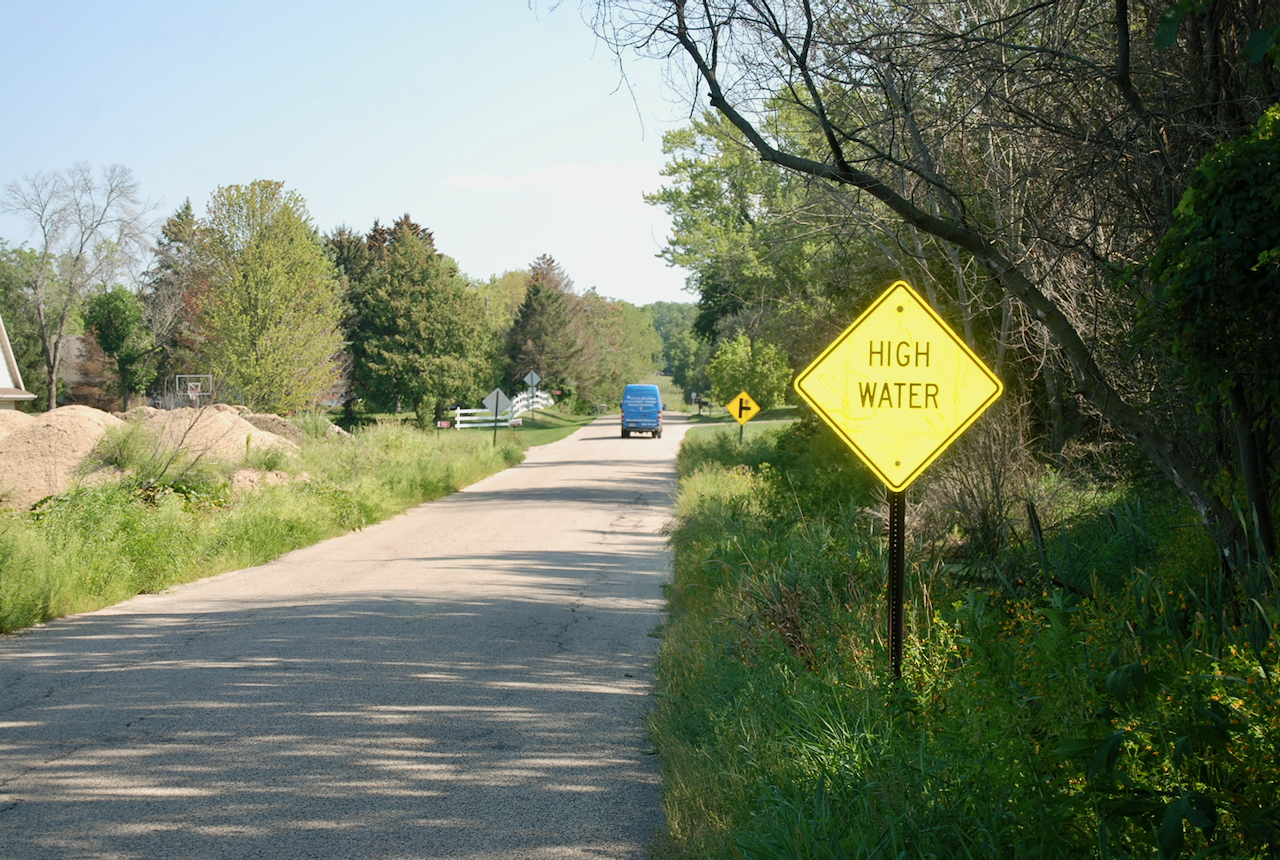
<point>275,424</point>
<point>40,457</point>
<point>215,432</point>
<point>43,455</point>
<point>11,420</point>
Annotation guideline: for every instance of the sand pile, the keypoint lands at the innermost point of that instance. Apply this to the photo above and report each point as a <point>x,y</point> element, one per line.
<point>216,432</point>
<point>11,420</point>
<point>43,455</point>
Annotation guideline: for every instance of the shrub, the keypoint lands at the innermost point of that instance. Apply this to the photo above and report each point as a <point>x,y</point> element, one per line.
<point>1132,710</point>
<point>172,520</point>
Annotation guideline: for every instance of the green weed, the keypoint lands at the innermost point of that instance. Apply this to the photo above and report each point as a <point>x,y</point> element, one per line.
<point>171,521</point>
<point>1103,693</point>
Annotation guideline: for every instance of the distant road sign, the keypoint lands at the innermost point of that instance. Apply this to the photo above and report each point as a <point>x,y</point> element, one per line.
<point>497,401</point>
<point>899,386</point>
<point>532,378</point>
<point>742,408</point>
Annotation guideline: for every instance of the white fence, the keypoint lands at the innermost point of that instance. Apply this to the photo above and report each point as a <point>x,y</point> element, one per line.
<point>520,404</point>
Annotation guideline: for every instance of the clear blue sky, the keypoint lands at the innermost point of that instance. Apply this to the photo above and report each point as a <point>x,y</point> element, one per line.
<point>503,129</point>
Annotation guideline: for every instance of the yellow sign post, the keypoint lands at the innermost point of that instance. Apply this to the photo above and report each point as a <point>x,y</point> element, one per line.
<point>743,409</point>
<point>898,386</point>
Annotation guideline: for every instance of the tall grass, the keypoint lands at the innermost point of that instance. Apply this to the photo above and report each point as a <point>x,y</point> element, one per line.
<point>1129,709</point>
<point>171,522</point>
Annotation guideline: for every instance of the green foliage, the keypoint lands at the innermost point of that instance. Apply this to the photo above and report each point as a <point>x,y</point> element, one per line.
<point>586,345</point>
<point>170,292</point>
<point>758,368</point>
<point>420,335</point>
<point>685,353</point>
<point>96,546</point>
<point>1217,269</point>
<point>503,296</point>
<point>624,347</point>
<point>1139,719</point>
<point>269,318</point>
<point>768,253</point>
<point>314,425</point>
<point>114,318</point>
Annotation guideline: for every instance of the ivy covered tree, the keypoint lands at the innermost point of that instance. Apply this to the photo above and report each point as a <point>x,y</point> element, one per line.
<point>1217,301</point>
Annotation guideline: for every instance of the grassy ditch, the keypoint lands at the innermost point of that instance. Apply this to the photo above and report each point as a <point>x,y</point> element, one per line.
<point>1093,691</point>
<point>174,520</point>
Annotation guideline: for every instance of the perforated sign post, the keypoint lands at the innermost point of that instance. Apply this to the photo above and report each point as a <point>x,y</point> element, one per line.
<point>898,386</point>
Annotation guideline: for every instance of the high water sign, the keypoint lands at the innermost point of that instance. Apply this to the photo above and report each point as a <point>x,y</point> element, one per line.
<point>899,386</point>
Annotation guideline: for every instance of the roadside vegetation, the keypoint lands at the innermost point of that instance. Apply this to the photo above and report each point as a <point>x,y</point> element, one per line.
<point>1084,686</point>
<point>174,520</point>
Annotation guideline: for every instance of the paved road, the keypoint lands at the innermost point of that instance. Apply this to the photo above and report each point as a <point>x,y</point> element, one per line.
<point>466,680</point>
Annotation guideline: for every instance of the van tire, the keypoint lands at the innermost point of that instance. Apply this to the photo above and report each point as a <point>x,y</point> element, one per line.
<point>626,434</point>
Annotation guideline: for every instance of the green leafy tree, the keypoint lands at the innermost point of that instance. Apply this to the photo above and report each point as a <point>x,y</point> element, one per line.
<point>548,333</point>
<point>115,319</point>
<point>1042,149</point>
<point>622,347</point>
<point>769,253</point>
<point>503,297</point>
<point>760,369</point>
<point>587,345</point>
<point>172,288</point>
<point>421,336</point>
<point>1217,299</point>
<point>687,356</point>
<point>268,320</point>
<point>89,228</point>
<point>684,354</point>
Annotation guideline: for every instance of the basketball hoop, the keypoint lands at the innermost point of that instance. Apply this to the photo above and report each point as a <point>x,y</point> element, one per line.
<point>194,387</point>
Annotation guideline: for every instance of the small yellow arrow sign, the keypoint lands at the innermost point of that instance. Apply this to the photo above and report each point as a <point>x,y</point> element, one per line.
<point>742,408</point>
<point>899,386</point>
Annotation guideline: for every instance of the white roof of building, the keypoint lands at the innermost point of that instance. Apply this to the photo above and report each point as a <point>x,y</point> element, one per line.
<point>10,376</point>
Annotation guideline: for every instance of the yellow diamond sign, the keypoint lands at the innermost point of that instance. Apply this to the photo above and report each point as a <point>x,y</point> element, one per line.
<point>742,408</point>
<point>898,386</point>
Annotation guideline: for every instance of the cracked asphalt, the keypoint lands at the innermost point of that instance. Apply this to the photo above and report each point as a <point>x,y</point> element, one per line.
<point>466,680</point>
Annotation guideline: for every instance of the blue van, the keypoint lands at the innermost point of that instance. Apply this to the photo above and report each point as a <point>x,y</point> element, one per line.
<point>641,410</point>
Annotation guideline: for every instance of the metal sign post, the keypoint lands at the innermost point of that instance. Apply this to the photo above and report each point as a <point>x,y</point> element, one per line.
<point>532,379</point>
<point>897,577</point>
<point>898,386</point>
<point>495,403</point>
